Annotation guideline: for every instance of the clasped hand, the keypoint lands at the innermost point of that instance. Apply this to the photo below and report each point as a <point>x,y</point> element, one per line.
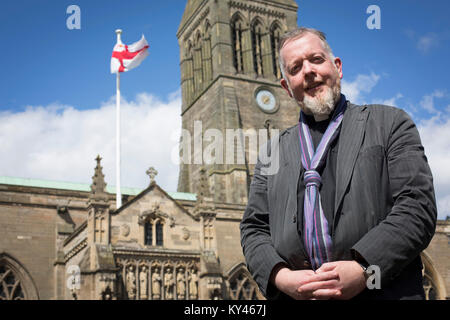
<point>333,280</point>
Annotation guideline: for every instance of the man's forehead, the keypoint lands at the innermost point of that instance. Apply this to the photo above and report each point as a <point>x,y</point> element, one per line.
<point>305,42</point>
<point>303,46</point>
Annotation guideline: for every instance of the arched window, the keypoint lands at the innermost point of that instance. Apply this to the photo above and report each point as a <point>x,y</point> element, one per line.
<point>275,33</point>
<point>242,286</point>
<point>429,287</point>
<point>206,54</point>
<point>433,283</point>
<point>159,233</point>
<point>15,282</point>
<point>237,40</point>
<point>153,232</point>
<point>148,230</point>
<point>10,286</point>
<point>188,72</point>
<point>197,60</point>
<point>257,40</point>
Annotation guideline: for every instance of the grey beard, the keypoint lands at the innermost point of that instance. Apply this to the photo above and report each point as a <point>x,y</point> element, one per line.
<point>321,107</point>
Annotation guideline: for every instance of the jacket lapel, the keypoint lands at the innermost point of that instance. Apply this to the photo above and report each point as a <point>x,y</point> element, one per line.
<point>294,157</point>
<point>351,137</point>
<point>294,167</point>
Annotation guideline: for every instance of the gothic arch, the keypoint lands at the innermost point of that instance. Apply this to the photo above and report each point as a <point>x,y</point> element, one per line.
<point>241,284</point>
<point>258,30</point>
<point>275,34</point>
<point>433,283</point>
<point>189,71</point>
<point>198,39</point>
<point>258,21</point>
<point>206,28</point>
<point>238,27</point>
<point>15,281</point>
<point>206,53</point>
<point>198,62</point>
<point>153,226</point>
<point>239,17</point>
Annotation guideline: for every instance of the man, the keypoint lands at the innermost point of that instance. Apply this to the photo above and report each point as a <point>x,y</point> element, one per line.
<point>353,191</point>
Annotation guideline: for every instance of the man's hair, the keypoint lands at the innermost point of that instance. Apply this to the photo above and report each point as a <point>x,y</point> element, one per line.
<point>296,34</point>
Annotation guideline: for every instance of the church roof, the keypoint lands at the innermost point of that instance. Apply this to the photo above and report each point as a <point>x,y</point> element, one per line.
<point>73,186</point>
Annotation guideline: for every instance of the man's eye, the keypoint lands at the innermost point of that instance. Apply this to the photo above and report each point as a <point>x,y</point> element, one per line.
<point>317,59</point>
<point>295,69</point>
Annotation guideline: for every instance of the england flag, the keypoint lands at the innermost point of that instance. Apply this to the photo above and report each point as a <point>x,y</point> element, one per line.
<point>125,57</point>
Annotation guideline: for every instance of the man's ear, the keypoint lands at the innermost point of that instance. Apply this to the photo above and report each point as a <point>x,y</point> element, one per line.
<point>338,64</point>
<point>285,85</point>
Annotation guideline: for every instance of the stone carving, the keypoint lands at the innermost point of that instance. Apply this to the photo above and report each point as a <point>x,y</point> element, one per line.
<point>156,284</point>
<point>214,285</point>
<point>193,279</point>
<point>181,284</point>
<point>98,185</point>
<point>143,286</point>
<point>186,234</point>
<point>107,291</point>
<point>152,173</point>
<point>159,278</point>
<point>125,229</point>
<point>169,284</point>
<point>155,213</point>
<point>131,283</point>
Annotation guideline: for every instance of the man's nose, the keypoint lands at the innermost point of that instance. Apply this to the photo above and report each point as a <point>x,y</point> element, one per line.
<point>308,69</point>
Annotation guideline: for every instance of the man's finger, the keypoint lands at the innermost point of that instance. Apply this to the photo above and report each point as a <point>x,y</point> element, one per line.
<point>327,267</point>
<point>323,276</point>
<point>326,294</point>
<point>316,285</point>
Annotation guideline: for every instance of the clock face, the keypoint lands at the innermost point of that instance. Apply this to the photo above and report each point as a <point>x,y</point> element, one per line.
<point>266,100</point>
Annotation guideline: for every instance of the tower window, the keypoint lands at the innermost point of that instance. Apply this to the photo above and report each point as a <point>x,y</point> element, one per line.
<point>236,37</point>
<point>159,234</point>
<point>257,39</point>
<point>275,33</point>
<point>148,234</point>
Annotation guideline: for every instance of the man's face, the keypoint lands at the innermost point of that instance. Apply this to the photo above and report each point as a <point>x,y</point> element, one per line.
<point>312,78</point>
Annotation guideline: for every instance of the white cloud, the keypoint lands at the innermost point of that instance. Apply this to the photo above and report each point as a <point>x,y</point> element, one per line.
<point>355,90</point>
<point>59,142</point>
<point>434,134</point>
<point>389,102</point>
<point>427,101</point>
<point>427,42</point>
<point>424,43</point>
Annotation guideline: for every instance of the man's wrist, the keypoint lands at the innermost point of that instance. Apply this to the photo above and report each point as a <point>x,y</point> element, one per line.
<point>275,271</point>
<point>364,267</point>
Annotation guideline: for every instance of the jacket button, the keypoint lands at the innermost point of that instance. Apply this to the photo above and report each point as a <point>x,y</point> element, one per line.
<point>294,218</point>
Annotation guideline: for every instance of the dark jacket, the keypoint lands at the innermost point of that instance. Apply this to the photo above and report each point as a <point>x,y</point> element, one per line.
<point>385,207</point>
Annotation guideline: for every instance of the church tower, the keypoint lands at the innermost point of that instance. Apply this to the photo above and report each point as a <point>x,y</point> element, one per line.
<point>230,90</point>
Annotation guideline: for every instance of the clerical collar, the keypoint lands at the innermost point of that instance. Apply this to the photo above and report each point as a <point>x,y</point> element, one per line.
<point>311,120</point>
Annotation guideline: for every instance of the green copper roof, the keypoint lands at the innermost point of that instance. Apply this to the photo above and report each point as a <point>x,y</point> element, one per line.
<point>84,187</point>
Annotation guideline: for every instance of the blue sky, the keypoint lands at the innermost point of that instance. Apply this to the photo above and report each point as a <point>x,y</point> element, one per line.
<point>54,79</point>
<point>54,64</point>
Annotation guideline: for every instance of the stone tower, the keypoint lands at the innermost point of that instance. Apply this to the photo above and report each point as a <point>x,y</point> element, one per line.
<point>230,90</point>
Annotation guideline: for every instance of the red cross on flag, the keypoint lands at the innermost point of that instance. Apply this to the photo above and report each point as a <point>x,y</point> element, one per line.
<point>125,57</point>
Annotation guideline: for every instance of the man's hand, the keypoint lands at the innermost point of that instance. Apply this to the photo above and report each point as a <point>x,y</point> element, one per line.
<point>289,281</point>
<point>351,280</point>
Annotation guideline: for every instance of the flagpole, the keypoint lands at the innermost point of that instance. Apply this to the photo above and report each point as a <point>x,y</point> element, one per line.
<point>118,193</point>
